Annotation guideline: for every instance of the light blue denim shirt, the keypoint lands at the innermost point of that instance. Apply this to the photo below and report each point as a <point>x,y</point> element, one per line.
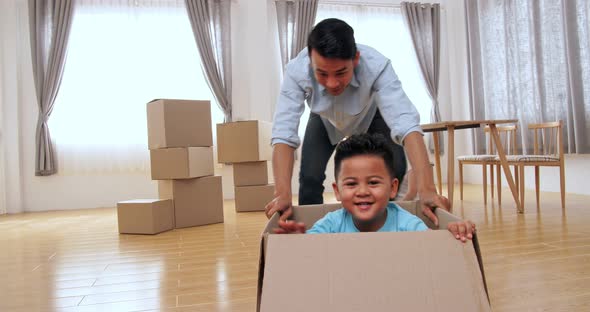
<point>374,85</point>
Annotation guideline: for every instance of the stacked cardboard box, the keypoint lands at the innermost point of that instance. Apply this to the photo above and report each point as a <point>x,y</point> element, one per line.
<point>246,144</point>
<point>181,155</point>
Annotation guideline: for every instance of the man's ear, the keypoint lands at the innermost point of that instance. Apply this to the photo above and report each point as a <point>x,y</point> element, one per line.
<point>336,191</point>
<point>356,59</point>
<point>394,186</point>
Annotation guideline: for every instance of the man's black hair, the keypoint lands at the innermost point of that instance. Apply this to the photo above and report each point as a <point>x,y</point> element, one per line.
<point>364,144</point>
<point>332,38</point>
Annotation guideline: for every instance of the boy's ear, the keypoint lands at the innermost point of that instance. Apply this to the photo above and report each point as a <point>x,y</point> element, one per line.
<point>394,186</point>
<point>336,191</point>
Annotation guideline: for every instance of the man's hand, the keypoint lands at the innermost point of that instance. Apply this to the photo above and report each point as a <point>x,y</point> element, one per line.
<point>462,230</point>
<point>431,200</point>
<point>290,227</point>
<point>280,204</point>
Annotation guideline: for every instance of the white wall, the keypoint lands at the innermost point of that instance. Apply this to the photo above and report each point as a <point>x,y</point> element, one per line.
<point>255,88</point>
<point>10,132</point>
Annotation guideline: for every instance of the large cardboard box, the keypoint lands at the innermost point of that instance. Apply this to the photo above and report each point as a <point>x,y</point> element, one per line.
<point>145,216</point>
<point>394,271</point>
<point>253,197</point>
<point>179,123</point>
<point>181,163</point>
<point>251,173</point>
<point>244,141</point>
<point>196,201</point>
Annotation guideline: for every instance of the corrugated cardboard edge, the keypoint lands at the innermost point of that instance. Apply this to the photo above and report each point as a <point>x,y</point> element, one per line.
<point>444,217</point>
<point>413,207</point>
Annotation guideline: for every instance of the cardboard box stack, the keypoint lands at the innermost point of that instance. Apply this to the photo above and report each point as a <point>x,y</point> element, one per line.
<point>246,144</point>
<point>380,271</point>
<point>181,156</point>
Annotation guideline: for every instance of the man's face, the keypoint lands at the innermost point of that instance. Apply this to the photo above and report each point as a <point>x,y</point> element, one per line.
<point>364,188</point>
<point>333,73</point>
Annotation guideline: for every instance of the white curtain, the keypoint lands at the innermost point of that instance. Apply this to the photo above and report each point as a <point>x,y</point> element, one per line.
<point>370,23</point>
<point>530,60</point>
<point>122,54</point>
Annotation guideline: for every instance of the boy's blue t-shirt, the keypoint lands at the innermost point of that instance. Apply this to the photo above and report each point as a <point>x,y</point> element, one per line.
<point>340,221</point>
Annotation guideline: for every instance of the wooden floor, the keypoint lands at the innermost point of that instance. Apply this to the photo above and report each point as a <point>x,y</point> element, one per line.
<point>76,260</point>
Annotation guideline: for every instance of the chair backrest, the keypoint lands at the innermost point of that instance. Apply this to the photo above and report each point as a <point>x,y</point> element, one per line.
<point>547,139</point>
<point>507,137</point>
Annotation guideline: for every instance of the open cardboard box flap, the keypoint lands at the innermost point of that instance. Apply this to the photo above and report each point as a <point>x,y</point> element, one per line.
<point>421,271</point>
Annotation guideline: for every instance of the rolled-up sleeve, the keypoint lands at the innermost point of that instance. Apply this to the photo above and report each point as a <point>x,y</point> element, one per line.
<point>290,107</point>
<point>397,110</point>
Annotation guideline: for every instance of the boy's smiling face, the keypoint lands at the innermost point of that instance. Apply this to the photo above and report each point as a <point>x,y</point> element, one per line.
<point>364,187</point>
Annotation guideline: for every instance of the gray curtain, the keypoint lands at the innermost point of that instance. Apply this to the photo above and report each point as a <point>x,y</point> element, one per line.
<point>211,20</point>
<point>530,60</point>
<point>49,22</point>
<point>423,21</point>
<point>295,18</point>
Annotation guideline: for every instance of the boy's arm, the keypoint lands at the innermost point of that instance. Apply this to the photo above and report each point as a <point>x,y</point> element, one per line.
<point>462,230</point>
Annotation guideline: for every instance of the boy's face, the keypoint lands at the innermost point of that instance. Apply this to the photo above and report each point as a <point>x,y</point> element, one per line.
<point>333,73</point>
<point>364,188</point>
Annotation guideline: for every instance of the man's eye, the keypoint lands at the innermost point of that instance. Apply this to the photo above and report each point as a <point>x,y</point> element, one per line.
<point>339,74</point>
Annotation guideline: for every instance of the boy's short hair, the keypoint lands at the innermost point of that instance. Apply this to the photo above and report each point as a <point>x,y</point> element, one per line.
<point>332,38</point>
<point>364,144</point>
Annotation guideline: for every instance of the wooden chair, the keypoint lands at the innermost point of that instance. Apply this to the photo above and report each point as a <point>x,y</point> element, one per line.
<point>547,151</point>
<point>508,138</point>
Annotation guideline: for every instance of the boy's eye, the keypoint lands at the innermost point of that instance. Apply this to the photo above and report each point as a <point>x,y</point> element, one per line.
<point>374,182</point>
<point>349,184</point>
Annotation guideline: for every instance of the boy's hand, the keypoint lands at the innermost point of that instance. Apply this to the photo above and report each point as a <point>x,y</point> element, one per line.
<point>462,230</point>
<point>290,227</point>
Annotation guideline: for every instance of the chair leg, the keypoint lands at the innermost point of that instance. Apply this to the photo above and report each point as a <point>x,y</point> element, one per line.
<point>562,185</point>
<point>492,182</point>
<point>521,183</point>
<point>516,179</point>
<point>537,185</point>
<point>499,181</point>
<point>461,179</point>
<point>485,183</point>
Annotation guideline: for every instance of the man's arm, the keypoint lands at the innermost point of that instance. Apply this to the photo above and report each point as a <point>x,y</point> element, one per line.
<point>282,166</point>
<point>290,107</point>
<point>404,121</point>
<point>416,152</point>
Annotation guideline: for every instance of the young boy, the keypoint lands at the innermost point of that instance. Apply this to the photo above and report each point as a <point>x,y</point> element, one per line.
<point>364,184</point>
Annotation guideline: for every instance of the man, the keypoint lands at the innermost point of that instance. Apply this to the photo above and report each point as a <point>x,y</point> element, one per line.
<point>349,89</point>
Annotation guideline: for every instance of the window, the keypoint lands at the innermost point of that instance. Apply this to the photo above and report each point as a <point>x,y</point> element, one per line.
<point>121,55</point>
